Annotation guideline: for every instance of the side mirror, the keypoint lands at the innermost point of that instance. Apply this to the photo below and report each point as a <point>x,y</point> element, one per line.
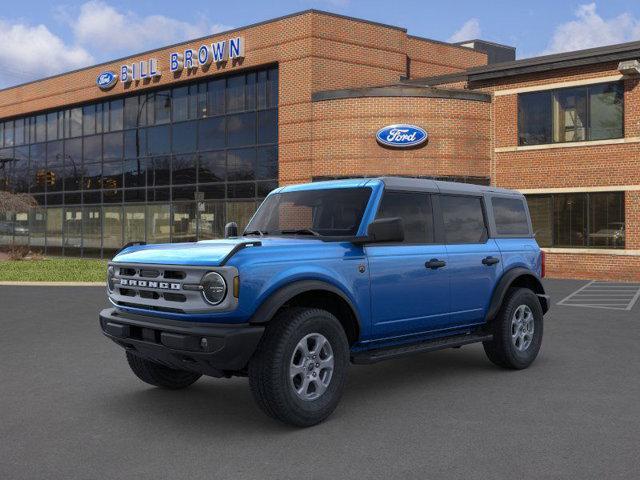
<point>384,230</point>
<point>231,230</point>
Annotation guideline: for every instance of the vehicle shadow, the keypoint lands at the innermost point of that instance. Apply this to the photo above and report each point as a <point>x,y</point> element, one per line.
<point>229,406</point>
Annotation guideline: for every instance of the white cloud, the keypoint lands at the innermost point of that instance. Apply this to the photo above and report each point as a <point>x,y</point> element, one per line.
<point>28,52</point>
<point>104,29</point>
<point>591,30</point>
<point>469,31</point>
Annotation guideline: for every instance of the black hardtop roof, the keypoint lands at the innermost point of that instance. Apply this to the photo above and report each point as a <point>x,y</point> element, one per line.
<point>425,184</point>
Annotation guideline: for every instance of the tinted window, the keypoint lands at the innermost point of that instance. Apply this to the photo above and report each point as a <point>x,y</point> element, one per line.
<point>510,215</point>
<point>415,211</point>
<point>463,219</point>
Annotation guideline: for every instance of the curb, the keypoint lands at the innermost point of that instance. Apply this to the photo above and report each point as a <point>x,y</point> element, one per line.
<point>53,284</point>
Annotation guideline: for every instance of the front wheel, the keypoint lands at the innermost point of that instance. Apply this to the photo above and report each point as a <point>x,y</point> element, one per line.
<point>298,372</point>
<point>517,330</point>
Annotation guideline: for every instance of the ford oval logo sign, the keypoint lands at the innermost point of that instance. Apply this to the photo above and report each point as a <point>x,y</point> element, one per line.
<point>106,80</point>
<point>401,136</point>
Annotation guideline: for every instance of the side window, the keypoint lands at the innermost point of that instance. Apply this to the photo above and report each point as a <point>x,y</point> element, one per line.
<point>463,219</point>
<point>510,215</point>
<point>415,211</point>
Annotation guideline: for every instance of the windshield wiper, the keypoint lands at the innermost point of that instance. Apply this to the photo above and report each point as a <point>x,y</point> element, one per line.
<point>301,231</point>
<point>255,232</point>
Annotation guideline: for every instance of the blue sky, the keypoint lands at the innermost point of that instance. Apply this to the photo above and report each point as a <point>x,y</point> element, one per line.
<point>43,37</point>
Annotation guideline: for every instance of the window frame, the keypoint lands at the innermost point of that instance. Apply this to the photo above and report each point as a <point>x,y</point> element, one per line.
<point>437,240</point>
<point>552,92</point>
<point>494,225</point>
<point>485,218</point>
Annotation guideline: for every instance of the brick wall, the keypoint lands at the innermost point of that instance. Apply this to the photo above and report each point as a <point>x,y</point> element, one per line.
<point>593,266</point>
<point>430,58</point>
<point>344,137</point>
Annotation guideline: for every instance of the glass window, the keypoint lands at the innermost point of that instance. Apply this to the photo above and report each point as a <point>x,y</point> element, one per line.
<point>92,149</point>
<point>21,169</point>
<point>158,223</point>
<point>162,107</point>
<point>213,191</point>
<point>415,211</point>
<point>89,120</point>
<point>212,167</point>
<point>570,220</point>
<point>19,131</point>
<point>91,230</point>
<point>241,129</point>
<point>52,126</point>
<point>72,230</point>
<point>201,104</point>
<point>606,220</point>
<point>8,134</point>
<point>215,97</point>
<point>1,135</point>
<point>135,172</point>
<point>130,115</point>
<point>184,169</point>
<point>116,118</point>
<point>510,216</point>
<point>135,195</point>
<point>75,122</point>
<point>112,175</point>
<point>463,219</point>
<point>268,126</point>
<point>184,222</point>
<point>570,115</point>
<point>72,164</point>
<point>240,212</point>
<point>184,137</point>
<point>112,234</point>
<point>38,165</point>
<point>235,93</point>
<point>267,163</point>
<point>250,91</point>
<point>158,140</point>
<point>541,211</point>
<point>593,112</point>
<point>241,164</point>
<point>606,105</point>
<point>211,133</point>
<point>112,146</point>
<point>54,230</point>
<point>241,190</point>
<point>102,117</point>
<point>211,222</point>
<point>41,128</point>
<point>180,102</point>
<point>272,88</point>
<point>330,212</point>
<point>55,172</point>
<point>134,223</point>
<point>135,143</point>
<point>92,178</point>
<point>161,171</point>
<point>37,227</point>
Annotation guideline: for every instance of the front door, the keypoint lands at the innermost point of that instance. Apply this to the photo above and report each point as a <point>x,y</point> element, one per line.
<point>409,280</point>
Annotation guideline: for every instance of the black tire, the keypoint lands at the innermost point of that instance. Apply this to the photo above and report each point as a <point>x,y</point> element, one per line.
<point>501,350</point>
<point>269,368</point>
<point>159,375</point>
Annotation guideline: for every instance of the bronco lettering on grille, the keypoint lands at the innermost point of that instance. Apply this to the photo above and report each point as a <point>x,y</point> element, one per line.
<point>147,284</point>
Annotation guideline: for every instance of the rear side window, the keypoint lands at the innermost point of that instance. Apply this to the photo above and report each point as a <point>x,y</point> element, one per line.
<point>415,211</point>
<point>510,215</point>
<point>463,219</point>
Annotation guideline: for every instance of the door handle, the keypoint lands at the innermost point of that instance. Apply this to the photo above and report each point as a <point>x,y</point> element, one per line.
<point>490,261</point>
<point>435,263</point>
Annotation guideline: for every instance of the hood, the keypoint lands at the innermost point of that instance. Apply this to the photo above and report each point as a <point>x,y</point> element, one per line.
<point>203,253</point>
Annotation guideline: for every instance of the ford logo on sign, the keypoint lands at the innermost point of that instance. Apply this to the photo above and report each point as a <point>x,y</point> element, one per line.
<point>401,136</point>
<point>106,80</point>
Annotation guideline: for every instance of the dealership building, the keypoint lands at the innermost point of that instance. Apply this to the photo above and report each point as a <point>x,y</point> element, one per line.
<point>170,144</point>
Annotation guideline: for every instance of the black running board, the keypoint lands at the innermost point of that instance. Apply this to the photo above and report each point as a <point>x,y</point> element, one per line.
<point>378,355</point>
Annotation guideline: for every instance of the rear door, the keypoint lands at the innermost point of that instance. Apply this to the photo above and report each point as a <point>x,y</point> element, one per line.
<point>475,264</point>
<point>409,280</point>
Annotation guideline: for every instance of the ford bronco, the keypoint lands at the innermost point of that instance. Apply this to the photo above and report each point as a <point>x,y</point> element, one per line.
<point>331,273</point>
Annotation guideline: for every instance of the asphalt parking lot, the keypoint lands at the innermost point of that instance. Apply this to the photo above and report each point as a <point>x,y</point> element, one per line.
<point>70,408</point>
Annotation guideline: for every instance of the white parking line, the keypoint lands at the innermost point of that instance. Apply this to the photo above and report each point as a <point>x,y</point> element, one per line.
<point>612,296</point>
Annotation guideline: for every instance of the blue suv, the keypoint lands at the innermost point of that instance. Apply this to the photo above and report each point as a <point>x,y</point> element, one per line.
<point>327,274</point>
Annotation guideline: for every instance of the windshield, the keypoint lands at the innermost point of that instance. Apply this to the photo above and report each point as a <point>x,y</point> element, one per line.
<point>323,212</point>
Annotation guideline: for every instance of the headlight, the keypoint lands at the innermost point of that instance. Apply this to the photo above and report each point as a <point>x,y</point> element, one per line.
<point>214,288</point>
<point>111,272</point>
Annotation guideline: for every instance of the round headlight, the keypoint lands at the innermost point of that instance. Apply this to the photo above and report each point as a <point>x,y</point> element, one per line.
<point>214,288</point>
<point>111,272</point>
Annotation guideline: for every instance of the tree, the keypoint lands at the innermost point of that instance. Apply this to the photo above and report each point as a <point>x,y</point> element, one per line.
<point>16,202</point>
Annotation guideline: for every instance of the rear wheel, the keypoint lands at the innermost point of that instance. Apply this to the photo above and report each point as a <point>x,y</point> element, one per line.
<point>298,372</point>
<point>517,330</point>
<point>159,375</point>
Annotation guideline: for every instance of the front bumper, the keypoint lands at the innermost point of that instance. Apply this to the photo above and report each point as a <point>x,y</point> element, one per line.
<point>211,349</point>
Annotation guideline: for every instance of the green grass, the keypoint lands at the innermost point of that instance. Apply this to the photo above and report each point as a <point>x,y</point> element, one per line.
<point>53,270</point>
